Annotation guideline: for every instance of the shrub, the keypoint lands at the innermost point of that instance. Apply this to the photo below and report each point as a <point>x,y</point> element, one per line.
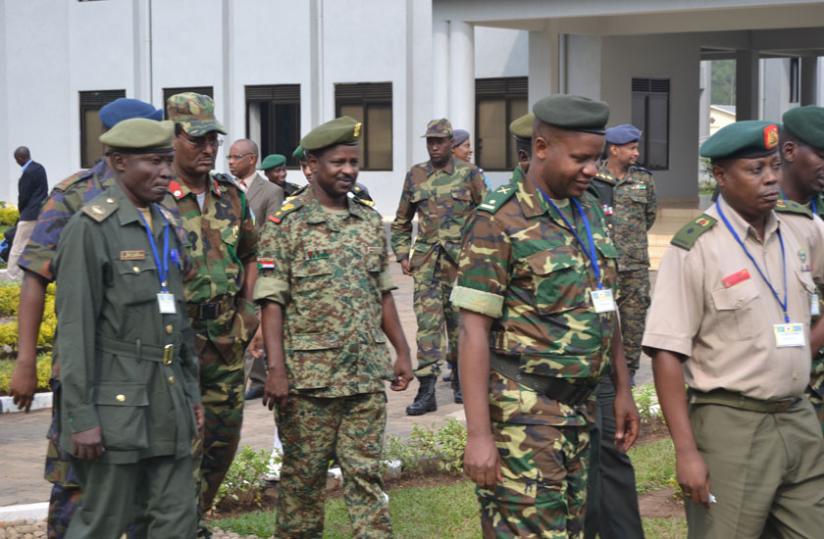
<point>9,300</point>
<point>43,373</point>
<point>8,215</point>
<point>242,485</point>
<point>426,449</point>
<point>647,402</point>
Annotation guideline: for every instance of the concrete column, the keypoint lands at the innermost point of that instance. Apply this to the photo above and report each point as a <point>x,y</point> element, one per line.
<point>705,87</point>
<point>440,69</point>
<point>583,58</point>
<point>746,85</point>
<point>462,76</point>
<point>142,50</point>
<point>809,80</point>
<point>544,65</point>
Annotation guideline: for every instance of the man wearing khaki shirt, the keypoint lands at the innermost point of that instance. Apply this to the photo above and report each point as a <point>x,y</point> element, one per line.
<point>731,317</point>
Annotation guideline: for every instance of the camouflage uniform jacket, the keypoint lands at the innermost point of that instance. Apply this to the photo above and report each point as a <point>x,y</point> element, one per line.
<point>630,213</point>
<point>445,201</point>
<point>111,341</point>
<point>522,267</point>
<point>816,387</point>
<point>329,271</point>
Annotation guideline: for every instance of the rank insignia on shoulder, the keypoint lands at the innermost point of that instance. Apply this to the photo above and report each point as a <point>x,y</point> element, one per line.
<point>285,210</point>
<point>497,198</point>
<point>689,233</point>
<point>789,206</point>
<point>266,263</point>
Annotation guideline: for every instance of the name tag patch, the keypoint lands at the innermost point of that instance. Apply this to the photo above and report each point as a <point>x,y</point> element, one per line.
<point>133,255</point>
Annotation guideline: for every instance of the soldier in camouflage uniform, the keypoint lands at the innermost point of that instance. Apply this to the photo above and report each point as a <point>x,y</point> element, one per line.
<point>444,193</point>
<point>802,181</point>
<point>223,241</point>
<point>274,168</point>
<point>627,195</point>
<point>538,328</point>
<point>327,308</point>
<point>65,200</point>
<point>358,190</point>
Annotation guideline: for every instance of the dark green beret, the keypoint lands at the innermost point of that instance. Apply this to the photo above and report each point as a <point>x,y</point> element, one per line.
<point>139,135</point>
<point>742,140</point>
<point>343,130</point>
<point>299,154</point>
<point>573,112</point>
<point>806,124</point>
<point>522,127</point>
<point>272,161</point>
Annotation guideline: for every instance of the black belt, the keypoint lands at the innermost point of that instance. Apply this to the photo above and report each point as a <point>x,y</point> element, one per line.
<point>136,349</point>
<point>209,310</point>
<point>722,397</point>
<point>558,389</point>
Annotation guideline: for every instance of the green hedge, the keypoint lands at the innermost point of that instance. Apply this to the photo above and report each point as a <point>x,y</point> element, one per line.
<point>43,373</point>
<point>8,215</point>
<point>9,300</point>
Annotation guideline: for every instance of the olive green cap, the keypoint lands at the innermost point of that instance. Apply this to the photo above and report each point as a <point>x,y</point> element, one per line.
<point>806,124</point>
<point>299,154</point>
<point>194,112</point>
<point>272,161</point>
<point>343,130</point>
<point>742,140</point>
<point>440,128</point>
<point>139,135</point>
<point>573,112</point>
<point>522,127</point>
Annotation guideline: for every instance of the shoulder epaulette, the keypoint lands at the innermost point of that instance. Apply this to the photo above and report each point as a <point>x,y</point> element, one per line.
<point>285,210</point>
<point>497,198</point>
<point>689,233</point>
<point>302,189</point>
<point>364,202</point>
<point>100,208</point>
<point>788,206</point>
<point>73,179</point>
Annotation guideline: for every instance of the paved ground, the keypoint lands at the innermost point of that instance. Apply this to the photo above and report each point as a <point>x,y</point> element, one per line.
<point>23,445</point>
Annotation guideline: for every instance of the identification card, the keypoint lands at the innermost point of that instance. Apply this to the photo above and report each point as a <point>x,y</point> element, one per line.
<point>166,302</point>
<point>815,307</point>
<point>789,335</point>
<point>602,300</point>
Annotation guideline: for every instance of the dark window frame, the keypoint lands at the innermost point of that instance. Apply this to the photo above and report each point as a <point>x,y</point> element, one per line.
<point>279,94</point>
<point>368,95</point>
<point>169,92</point>
<point>507,89</point>
<point>647,87</point>
<point>795,80</point>
<point>88,101</point>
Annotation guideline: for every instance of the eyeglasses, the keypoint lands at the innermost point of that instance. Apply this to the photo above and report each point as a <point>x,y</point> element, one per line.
<point>232,157</point>
<point>201,142</point>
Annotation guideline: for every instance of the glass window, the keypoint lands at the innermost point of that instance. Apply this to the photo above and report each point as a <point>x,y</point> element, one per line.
<point>91,149</point>
<point>370,104</point>
<point>650,113</point>
<point>497,103</point>
<point>273,119</point>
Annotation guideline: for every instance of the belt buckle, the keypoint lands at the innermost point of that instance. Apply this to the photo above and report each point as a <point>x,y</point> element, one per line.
<point>209,311</point>
<point>168,354</point>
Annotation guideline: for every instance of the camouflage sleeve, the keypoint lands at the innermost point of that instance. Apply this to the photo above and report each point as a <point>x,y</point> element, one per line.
<point>247,243</point>
<point>189,362</point>
<point>39,253</point>
<point>478,187</point>
<point>385,280</point>
<point>273,264</point>
<point>483,272</point>
<point>402,225</point>
<point>652,203</point>
<point>816,239</point>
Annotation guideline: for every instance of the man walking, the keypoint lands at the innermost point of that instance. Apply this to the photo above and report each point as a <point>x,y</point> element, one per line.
<point>32,190</point>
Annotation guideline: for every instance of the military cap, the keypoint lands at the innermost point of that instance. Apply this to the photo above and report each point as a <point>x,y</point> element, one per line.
<point>522,127</point>
<point>459,136</point>
<point>572,112</point>
<point>272,161</point>
<point>139,135</point>
<point>438,129</point>
<point>806,124</point>
<point>299,154</point>
<point>343,130</point>
<point>622,134</point>
<point>195,113</point>
<point>742,140</point>
<point>124,108</point>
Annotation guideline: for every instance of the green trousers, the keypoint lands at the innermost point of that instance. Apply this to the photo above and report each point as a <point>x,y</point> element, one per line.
<point>437,336</point>
<point>766,473</point>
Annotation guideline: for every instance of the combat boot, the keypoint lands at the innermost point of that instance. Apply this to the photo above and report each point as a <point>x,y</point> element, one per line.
<point>456,385</point>
<point>425,399</point>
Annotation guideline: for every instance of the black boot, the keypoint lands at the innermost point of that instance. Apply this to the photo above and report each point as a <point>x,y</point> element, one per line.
<point>425,399</point>
<point>456,385</point>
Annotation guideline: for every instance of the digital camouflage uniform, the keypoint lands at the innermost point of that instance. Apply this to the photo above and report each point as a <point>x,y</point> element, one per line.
<point>444,201</point>
<point>329,270</point>
<point>815,391</point>
<point>521,266</point>
<point>222,240</point>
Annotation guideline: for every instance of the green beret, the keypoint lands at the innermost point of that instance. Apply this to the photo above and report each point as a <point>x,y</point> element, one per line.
<point>742,140</point>
<point>806,124</point>
<point>272,161</point>
<point>139,135</point>
<point>573,112</point>
<point>299,154</point>
<point>440,128</point>
<point>343,130</point>
<point>522,127</point>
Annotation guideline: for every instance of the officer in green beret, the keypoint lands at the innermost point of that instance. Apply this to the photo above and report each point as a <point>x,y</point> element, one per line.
<point>130,402</point>
<point>730,319</point>
<point>274,168</point>
<point>539,325</point>
<point>327,309</point>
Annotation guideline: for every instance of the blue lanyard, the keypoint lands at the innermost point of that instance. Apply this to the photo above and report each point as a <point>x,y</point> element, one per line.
<point>589,247</point>
<point>813,206</point>
<point>162,268</point>
<point>763,275</point>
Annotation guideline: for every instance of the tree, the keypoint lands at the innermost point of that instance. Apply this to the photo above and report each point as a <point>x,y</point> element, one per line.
<point>723,82</point>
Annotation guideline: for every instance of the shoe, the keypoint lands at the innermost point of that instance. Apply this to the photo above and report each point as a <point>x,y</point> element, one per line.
<point>425,399</point>
<point>254,392</point>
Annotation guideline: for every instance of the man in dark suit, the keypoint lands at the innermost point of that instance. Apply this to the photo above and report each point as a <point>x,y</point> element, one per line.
<point>32,190</point>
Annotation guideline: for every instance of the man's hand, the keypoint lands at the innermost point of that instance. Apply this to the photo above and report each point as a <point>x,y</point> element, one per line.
<point>256,345</point>
<point>482,463</point>
<point>199,417</point>
<point>403,372</point>
<point>276,389</point>
<point>627,420</point>
<point>405,266</point>
<point>88,444</point>
<point>693,476</point>
<point>23,384</point>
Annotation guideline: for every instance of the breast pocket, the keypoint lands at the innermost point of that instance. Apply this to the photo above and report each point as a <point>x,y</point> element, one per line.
<point>138,279</point>
<point>736,307</point>
<point>312,275</point>
<point>556,280</point>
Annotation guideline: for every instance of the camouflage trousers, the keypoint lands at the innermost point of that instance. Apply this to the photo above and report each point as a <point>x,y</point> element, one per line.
<point>312,430</point>
<point>544,468</point>
<point>435,314</point>
<point>815,391</point>
<point>818,406</point>
<point>633,303</point>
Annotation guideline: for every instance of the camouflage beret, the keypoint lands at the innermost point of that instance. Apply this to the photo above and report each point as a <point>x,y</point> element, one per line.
<point>806,124</point>
<point>573,112</point>
<point>742,140</point>
<point>522,127</point>
<point>139,135</point>
<point>194,112</point>
<point>440,128</point>
<point>343,130</point>
<point>272,161</point>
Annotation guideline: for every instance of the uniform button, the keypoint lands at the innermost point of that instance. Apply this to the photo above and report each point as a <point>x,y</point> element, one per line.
<point>135,269</point>
<point>171,379</point>
<point>110,200</point>
<point>169,329</point>
<point>120,398</point>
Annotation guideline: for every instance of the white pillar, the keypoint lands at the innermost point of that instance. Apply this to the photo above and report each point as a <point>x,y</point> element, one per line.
<point>584,65</point>
<point>544,65</point>
<point>142,50</point>
<point>809,80</point>
<point>746,85</point>
<point>705,83</point>
<point>440,70</point>
<point>462,76</point>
